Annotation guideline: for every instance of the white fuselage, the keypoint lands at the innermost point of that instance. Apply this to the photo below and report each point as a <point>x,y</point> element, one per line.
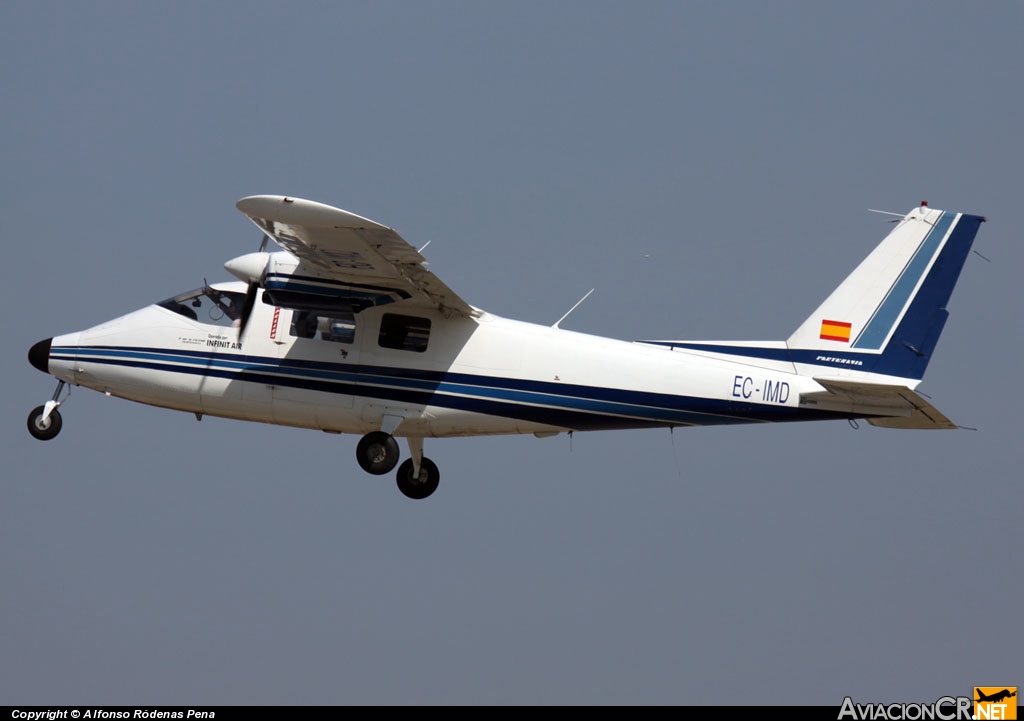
<point>475,375</point>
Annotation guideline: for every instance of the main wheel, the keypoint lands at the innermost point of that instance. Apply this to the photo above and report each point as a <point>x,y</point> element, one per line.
<point>421,487</point>
<point>44,430</point>
<point>377,452</point>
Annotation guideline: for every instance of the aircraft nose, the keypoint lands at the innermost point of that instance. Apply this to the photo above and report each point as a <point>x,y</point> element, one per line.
<point>39,355</point>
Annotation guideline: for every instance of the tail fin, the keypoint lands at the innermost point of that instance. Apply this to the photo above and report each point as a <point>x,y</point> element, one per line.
<point>886,317</point>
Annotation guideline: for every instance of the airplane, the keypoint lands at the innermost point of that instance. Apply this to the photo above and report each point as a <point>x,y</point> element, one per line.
<point>354,334</point>
<point>996,697</point>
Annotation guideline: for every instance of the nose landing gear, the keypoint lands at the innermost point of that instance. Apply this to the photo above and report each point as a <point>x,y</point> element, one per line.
<point>44,422</point>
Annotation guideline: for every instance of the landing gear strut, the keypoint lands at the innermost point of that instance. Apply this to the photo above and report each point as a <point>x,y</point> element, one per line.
<point>44,422</point>
<point>377,452</point>
<point>418,476</point>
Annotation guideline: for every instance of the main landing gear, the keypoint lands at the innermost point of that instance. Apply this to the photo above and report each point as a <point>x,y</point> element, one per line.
<point>44,422</point>
<point>420,486</point>
<point>378,453</point>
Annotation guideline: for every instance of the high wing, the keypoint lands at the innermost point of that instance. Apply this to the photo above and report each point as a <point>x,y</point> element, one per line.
<point>350,249</point>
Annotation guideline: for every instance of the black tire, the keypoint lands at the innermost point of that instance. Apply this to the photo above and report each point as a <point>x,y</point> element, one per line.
<point>418,488</point>
<point>377,453</point>
<point>44,431</point>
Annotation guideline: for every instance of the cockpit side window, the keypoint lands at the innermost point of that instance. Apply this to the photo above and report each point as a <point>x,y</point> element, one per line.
<point>207,305</point>
<point>337,327</point>
<point>404,332</point>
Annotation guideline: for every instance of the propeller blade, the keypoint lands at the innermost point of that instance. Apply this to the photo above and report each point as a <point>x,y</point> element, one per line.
<point>250,303</point>
<point>243,267</point>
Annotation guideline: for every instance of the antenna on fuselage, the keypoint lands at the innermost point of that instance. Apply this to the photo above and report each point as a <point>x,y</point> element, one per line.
<point>555,325</point>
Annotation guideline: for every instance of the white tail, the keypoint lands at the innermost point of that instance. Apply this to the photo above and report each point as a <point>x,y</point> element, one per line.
<point>886,317</point>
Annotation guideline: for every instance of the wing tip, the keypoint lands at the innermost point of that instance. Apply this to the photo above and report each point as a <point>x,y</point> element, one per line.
<point>290,209</point>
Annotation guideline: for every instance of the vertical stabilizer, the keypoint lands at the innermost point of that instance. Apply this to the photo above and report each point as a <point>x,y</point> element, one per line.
<point>886,317</point>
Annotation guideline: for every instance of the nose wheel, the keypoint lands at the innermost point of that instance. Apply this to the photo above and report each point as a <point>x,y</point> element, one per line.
<point>44,422</point>
<point>42,426</point>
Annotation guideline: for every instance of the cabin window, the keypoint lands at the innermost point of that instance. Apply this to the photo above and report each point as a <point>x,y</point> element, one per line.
<point>207,305</point>
<point>337,327</point>
<point>404,332</point>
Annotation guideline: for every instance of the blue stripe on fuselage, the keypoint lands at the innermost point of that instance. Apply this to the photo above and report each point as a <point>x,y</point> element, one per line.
<point>566,405</point>
<point>830,359</point>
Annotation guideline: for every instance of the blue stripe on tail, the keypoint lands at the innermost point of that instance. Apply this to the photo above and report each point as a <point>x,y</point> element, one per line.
<point>912,344</point>
<point>874,333</point>
<point>910,348</point>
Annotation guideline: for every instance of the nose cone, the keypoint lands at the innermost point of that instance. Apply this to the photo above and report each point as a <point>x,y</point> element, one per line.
<point>39,355</point>
<point>248,267</point>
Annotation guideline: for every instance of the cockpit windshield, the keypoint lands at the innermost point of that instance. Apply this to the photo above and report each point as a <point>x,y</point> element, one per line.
<point>208,305</point>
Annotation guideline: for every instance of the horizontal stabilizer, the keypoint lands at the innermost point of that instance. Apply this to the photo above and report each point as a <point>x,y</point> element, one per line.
<point>887,406</point>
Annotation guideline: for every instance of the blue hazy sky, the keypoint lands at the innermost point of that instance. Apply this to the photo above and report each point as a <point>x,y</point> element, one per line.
<point>707,167</point>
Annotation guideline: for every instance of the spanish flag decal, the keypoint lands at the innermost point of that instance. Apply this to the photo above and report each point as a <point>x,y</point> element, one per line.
<point>835,330</point>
